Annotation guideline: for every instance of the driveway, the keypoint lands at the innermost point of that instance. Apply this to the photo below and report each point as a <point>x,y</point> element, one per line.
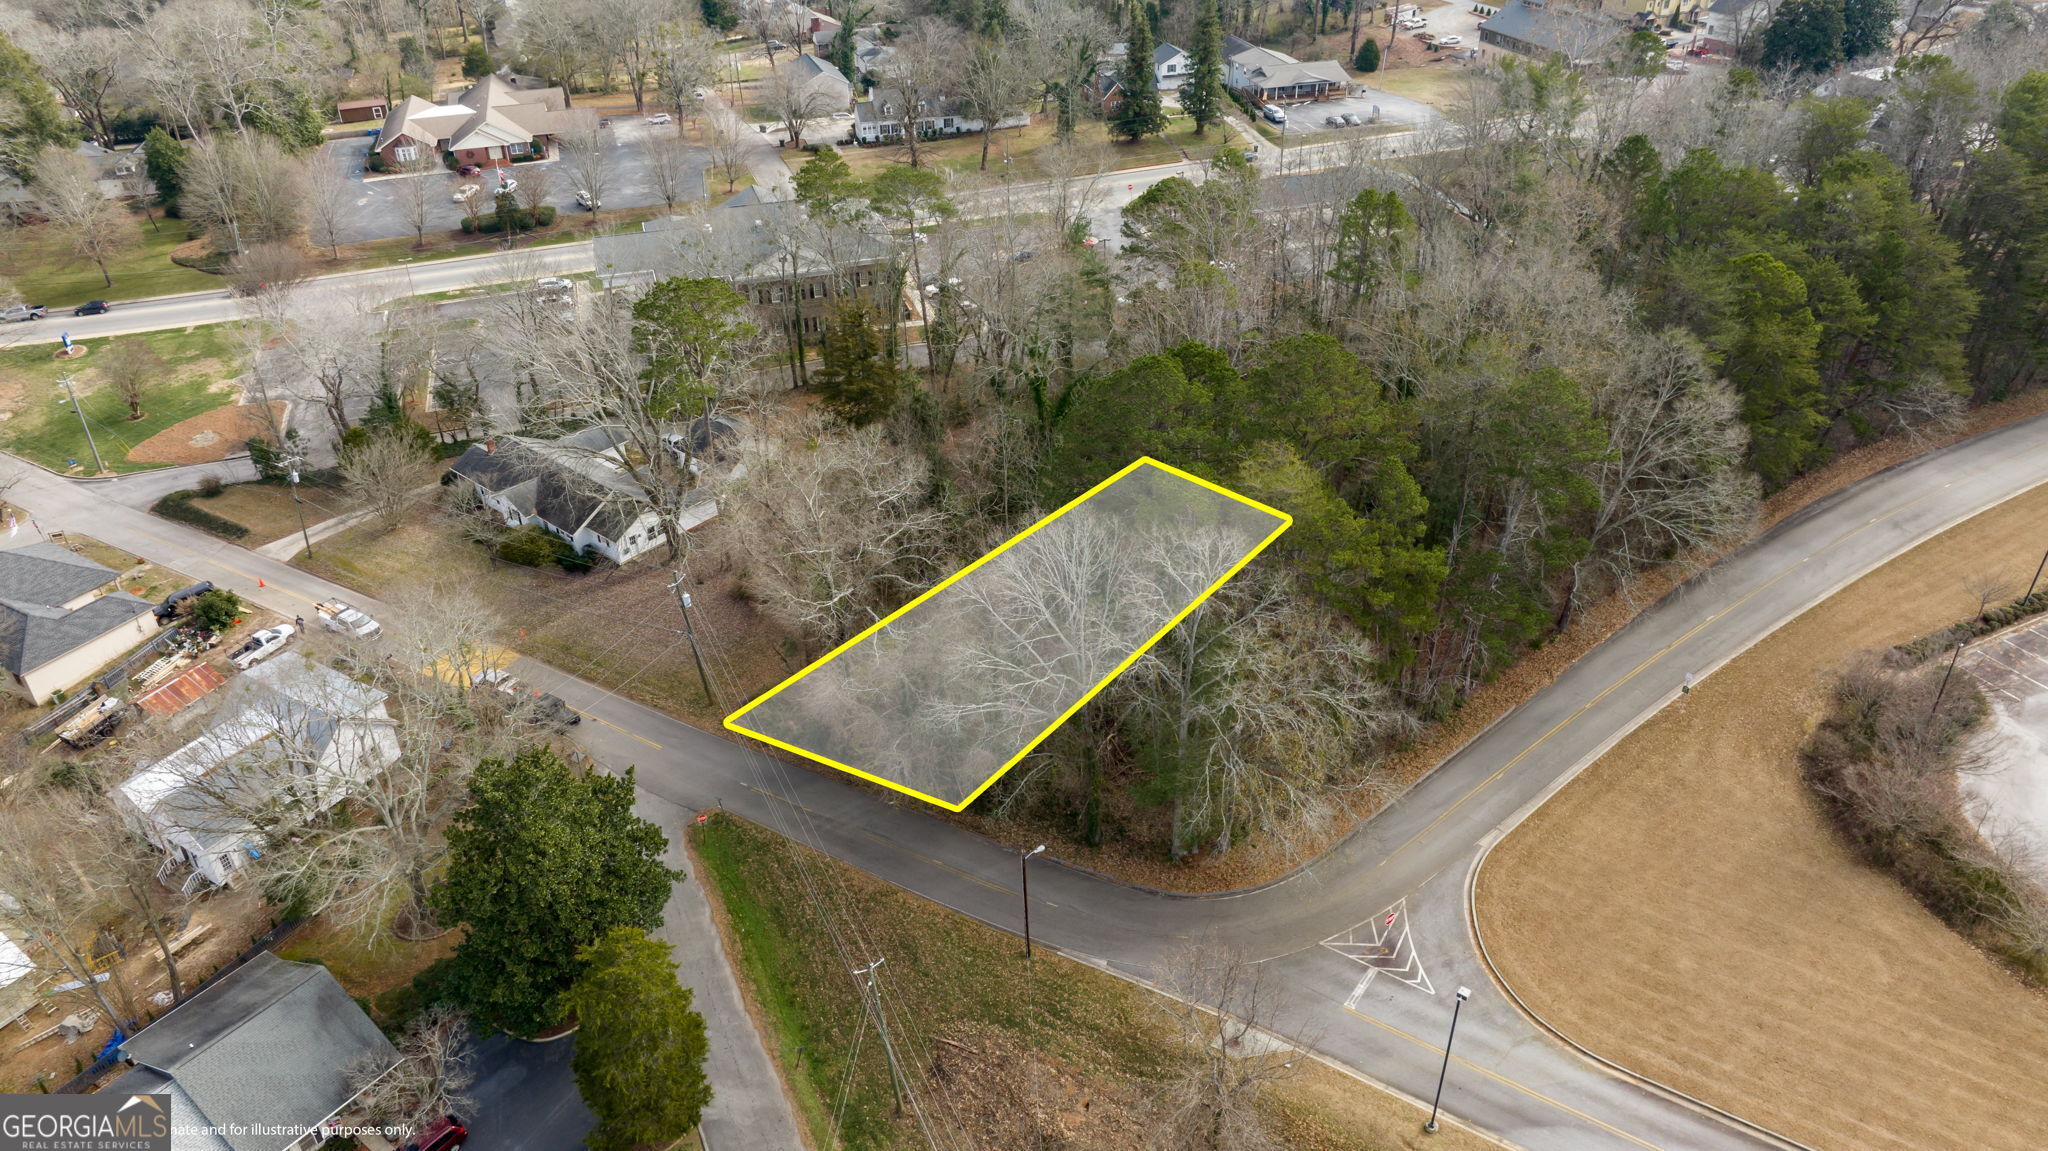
<point>526,1097</point>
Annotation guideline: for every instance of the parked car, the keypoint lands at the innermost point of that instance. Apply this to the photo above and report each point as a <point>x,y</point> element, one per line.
<point>443,1134</point>
<point>1351,119</point>
<point>548,709</point>
<point>604,123</point>
<point>507,184</point>
<point>698,93</point>
<point>554,290</point>
<point>1414,22</point>
<point>1273,114</point>
<point>338,616</point>
<point>463,193</point>
<point>777,46</point>
<point>585,200</point>
<point>24,312</point>
<point>261,646</point>
<point>661,118</point>
<point>1697,52</point>
<point>467,170</point>
<point>1677,66</point>
<point>92,308</point>
<point>842,115</point>
<point>95,723</point>
<point>1450,41</point>
<point>1333,122</point>
<point>169,608</point>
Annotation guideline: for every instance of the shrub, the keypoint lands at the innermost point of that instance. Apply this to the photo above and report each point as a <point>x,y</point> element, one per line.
<point>545,216</point>
<point>530,546</point>
<point>210,486</point>
<point>178,506</point>
<point>376,162</point>
<point>216,610</point>
<point>1368,59</point>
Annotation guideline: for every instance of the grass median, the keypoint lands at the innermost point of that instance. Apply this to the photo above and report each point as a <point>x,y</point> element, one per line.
<point>1058,1054</point>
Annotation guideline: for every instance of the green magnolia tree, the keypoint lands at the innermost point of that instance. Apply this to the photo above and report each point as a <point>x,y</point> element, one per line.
<point>543,863</point>
<point>1867,27</point>
<point>826,185</point>
<point>1139,114</point>
<point>1374,237</point>
<point>162,156</point>
<point>640,1045</point>
<point>858,380</point>
<point>1201,94</point>
<point>476,60</point>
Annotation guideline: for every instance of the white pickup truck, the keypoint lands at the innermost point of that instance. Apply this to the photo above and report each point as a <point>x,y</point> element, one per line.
<point>338,616</point>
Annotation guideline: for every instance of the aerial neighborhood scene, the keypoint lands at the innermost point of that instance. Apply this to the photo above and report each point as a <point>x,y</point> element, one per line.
<point>1205,575</point>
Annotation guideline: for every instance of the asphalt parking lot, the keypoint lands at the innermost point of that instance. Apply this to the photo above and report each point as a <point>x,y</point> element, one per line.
<point>525,1097</point>
<point>375,213</point>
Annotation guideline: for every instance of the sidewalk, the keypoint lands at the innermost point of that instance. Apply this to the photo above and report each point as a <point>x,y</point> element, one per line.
<point>749,1109</point>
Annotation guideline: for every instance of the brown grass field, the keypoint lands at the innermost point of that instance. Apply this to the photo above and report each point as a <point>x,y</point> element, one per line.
<point>1683,909</point>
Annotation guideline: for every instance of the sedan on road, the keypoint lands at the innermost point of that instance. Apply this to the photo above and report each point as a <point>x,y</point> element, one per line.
<point>261,646</point>
<point>92,308</point>
<point>661,118</point>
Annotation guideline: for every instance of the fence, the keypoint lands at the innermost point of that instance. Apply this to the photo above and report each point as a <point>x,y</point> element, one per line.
<point>58,716</point>
<point>104,684</point>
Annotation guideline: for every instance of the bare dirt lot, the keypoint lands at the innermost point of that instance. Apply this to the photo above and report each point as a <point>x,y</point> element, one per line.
<point>1684,909</point>
<point>215,435</point>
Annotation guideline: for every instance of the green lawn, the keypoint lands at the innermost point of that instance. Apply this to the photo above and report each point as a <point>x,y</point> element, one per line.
<point>1011,1040</point>
<point>47,431</point>
<point>268,512</point>
<point>45,270</point>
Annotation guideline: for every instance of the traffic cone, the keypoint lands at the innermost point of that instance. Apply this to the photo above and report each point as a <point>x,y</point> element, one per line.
<point>260,583</point>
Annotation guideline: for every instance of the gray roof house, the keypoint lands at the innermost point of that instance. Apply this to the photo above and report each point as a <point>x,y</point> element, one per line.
<point>880,118</point>
<point>1264,75</point>
<point>1551,28</point>
<point>575,487</point>
<point>821,76</point>
<point>257,1062</point>
<point>56,628</point>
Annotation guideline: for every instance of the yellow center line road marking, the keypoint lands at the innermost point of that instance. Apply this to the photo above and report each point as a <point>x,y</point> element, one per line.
<point>1660,653</point>
<point>617,728</point>
<point>1504,1080</point>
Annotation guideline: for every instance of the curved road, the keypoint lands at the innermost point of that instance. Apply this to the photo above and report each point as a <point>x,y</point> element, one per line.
<point>1414,860</point>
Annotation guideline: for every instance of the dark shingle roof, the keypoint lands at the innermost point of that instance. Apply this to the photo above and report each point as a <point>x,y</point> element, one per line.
<point>269,1046</point>
<point>567,493</point>
<point>1552,27</point>
<point>48,573</point>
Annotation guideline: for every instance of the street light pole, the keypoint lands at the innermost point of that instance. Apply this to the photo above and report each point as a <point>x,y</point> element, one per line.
<point>300,507</point>
<point>1024,872</point>
<point>98,464</point>
<point>2031,584</point>
<point>1943,690</point>
<point>1464,993</point>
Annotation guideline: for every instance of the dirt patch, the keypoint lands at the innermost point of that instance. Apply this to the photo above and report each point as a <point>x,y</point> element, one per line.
<point>1721,937</point>
<point>203,439</point>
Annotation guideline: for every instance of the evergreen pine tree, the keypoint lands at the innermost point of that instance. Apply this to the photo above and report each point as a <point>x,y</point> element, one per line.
<point>1140,114</point>
<point>163,155</point>
<point>1368,59</point>
<point>1202,95</point>
<point>639,1058</point>
<point>858,380</point>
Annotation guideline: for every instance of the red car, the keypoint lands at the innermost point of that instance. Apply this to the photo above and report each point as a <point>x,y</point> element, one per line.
<point>443,1134</point>
<point>468,170</point>
<point>1697,52</point>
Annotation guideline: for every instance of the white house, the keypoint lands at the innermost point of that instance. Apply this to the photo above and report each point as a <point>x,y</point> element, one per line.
<point>1170,67</point>
<point>880,118</point>
<point>1263,75</point>
<point>59,622</point>
<point>17,980</point>
<point>576,487</point>
<point>297,738</point>
<point>1728,24</point>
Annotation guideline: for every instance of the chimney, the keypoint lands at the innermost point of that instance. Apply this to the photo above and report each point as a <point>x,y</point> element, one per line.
<point>491,446</point>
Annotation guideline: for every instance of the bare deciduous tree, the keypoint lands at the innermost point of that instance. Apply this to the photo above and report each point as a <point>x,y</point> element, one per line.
<point>380,473</point>
<point>433,1076</point>
<point>800,101</point>
<point>415,191</point>
<point>1224,1008</point>
<point>727,145</point>
<point>668,164</point>
<point>68,192</point>
<point>329,196</point>
<point>589,151</point>
<point>130,366</point>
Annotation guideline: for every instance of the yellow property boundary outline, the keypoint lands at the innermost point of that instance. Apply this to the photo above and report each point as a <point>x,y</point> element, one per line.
<point>1286,521</point>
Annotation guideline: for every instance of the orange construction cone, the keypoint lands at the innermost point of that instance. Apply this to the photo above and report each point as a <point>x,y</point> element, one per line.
<point>260,583</point>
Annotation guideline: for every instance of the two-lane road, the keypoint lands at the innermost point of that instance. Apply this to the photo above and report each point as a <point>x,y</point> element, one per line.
<point>1413,860</point>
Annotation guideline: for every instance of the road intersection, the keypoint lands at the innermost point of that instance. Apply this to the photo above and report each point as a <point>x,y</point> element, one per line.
<point>1419,858</point>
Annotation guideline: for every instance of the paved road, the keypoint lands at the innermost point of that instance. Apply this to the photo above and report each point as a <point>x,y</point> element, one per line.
<point>1415,859</point>
<point>526,1098</point>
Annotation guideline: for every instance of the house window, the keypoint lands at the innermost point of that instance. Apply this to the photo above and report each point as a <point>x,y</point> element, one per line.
<point>519,148</point>
<point>406,153</point>
<point>226,859</point>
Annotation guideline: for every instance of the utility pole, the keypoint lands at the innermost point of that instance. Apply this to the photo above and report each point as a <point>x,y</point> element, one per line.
<point>1936,709</point>
<point>872,999</point>
<point>98,464</point>
<point>297,505</point>
<point>690,633</point>
<point>2031,584</point>
<point>1024,872</point>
